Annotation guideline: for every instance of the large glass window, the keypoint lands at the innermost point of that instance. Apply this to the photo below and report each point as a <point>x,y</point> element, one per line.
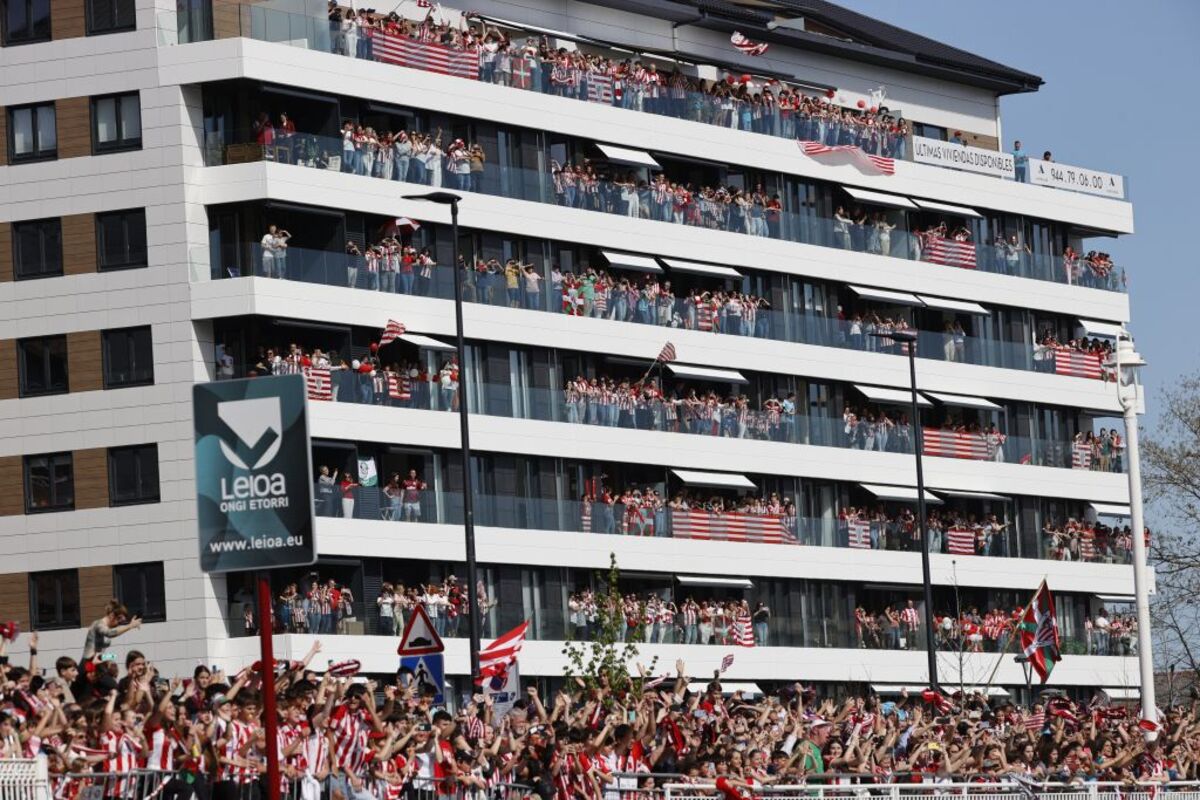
<point>133,474</point>
<point>42,365</point>
<point>37,248</point>
<point>128,357</point>
<point>32,133</point>
<point>121,239</point>
<point>49,483</point>
<point>25,21</point>
<point>54,599</point>
<point>110,16</point>
<point>139,587</point>
<point>116,122</point>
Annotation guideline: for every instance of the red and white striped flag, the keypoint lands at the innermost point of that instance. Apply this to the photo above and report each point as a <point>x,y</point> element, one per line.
<point>750,48</point>
<point>424,4</point>
<point>1027,458</point>
<point>859,531</point>
<point>497,657</point>
<point>743,630</point>
<point>879,165</point>
<point>667,354</point>
<point>1081,455</point>
<point>319,383</point>
<point>392,332</point>
<point>405,52</point>
<point>1077,364</point>
<point>726,663</point>
<point>954,444</point>
<point>1034,722</point>
<point>948,252</point>
<point>960,541</point>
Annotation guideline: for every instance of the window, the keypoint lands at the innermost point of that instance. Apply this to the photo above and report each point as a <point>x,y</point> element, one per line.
<point>121,239</point>
<point>37,248</point>
<point>54,599</point>
<point>116,123</point>
<point>49,483</point>
<point>32,133</point>
<point>128,357</point>
<point>133,474</point>
<point>42,365</point>
<point>930,131</point>
<point>110,16</point>
<point>25,21</point>
<point>139,587</point>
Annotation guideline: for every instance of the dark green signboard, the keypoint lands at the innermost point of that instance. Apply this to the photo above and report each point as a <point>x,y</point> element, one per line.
<point>253,474</point>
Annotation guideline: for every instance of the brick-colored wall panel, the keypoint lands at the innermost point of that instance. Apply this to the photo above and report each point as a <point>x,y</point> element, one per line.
<point>980,140</point>
<point>85,367</point>
<point>91,478</point>
<point>14,598</point>
<point>95,590</point>
<point>74,126</point>
<point>79,244</point>
<point>6,248</point>
<point>229,16</point>
<point>67,20</point>
<point>12,486</point>
<point>9,377</point>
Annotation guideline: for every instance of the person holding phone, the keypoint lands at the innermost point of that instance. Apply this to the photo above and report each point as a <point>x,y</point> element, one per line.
<point>115,622</point>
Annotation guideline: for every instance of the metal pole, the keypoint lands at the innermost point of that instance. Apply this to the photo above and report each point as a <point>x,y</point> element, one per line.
<point>464,433</point>
<point>1140,589</point>
<point>267,668</point>
<point>926,573</point>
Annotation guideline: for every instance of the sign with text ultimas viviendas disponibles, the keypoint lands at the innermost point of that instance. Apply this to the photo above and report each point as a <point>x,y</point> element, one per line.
<point>253,474</point>
<point>964,157</point>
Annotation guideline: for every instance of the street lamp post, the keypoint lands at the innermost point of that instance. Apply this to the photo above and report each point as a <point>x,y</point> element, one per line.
<point>451,199</point>
<point>1127,361</point>
<point>909,339</point>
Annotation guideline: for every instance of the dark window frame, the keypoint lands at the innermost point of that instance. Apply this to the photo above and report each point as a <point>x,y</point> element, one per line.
<point>117,145</point>
<point>51,460</point>
<point>136,216</point>
<point>22,377</point>
<point>61,619</point>
<point>55,270</point>
<point>140,499</point>
<point>36,155</point>
<point>146,572</point>
<point>93,30</point>
<point>105,357</point>
<point>6,38</point>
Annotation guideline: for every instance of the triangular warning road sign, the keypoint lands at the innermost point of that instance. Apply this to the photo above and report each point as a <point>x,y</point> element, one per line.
<point>419,637</point>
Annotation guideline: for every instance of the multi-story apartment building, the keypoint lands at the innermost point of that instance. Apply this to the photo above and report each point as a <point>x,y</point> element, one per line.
<point>149,147</point>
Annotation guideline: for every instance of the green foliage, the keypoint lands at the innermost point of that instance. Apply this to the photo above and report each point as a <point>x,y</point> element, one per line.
<point>603,662</point>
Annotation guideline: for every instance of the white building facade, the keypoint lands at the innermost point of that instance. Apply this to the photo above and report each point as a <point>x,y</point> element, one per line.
<point>139,180</point>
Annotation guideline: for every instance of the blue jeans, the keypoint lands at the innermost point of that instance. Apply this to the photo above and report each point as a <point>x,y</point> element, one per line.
<point>406,282</point>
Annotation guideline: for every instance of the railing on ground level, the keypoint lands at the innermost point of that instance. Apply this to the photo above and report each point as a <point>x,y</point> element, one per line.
<point>996,787</point>
<point>24,779</point>
<point>886,236</point>
<point>719,106</point>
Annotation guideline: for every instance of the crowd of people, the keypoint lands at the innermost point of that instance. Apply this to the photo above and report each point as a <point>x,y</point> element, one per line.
<point>345,736</point>
<point>1047,344</point>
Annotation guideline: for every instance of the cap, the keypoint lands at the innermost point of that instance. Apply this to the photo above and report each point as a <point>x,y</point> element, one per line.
<point>818,722</point>
<point>219,701</point>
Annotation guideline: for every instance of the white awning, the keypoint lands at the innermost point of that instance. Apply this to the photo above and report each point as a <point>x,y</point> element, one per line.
<point>624,155</point>
<point>972,495</point>
<point>882,394</point>
<point>723,480</point>
<point>525,26</point>
<point>901,494</point>
<point>964,401</point>
<point>886,295</point>
<point>1110,509</point>
<point>1094,328</point>
<point>701,269</point>
<point>1122,692</point>
<point>931,205</point>
<point>878,198</point>
<point>712,580</point>
<point>428,342</point>
<point>962,306</point>
<point>897,688</point>
<point>631,261</point>
<point>706,373</point>
<point>1116,599</point>
<point>727,687</point>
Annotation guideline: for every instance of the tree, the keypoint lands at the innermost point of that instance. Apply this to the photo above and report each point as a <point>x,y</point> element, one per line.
<point>603,662</point>
<point>1172,485</point>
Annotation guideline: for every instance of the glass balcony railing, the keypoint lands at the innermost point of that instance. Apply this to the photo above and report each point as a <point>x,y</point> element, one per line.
<point>631,305</point>
<point>724,211</point>
<point>724,103</point>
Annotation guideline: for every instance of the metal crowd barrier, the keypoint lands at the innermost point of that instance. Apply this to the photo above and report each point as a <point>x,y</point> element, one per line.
<point>24,779</point>
<point>138,784</point>
<point>844,786</point>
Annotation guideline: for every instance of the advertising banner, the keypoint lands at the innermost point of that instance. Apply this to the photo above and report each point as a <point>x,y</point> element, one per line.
<point>1076,179</point>
<point>964,157</point>
<point>253,474</point>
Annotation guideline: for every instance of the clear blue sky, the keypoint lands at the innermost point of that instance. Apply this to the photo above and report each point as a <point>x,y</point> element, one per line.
<point>1118,97</point>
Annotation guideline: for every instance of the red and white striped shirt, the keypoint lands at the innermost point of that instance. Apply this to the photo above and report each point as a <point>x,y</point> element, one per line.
<point>350,730</point>
<point>237,734</point>
<point>163,742</point>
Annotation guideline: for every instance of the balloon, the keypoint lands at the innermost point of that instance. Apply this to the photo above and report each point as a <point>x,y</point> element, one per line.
<point>729,79</point>
<point>831,93</point>
<point>874,109</point>
<point>745,79</point>
<point>862,103</point>
<point>374,346</point>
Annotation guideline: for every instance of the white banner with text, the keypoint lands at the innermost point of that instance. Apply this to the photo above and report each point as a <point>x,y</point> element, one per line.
<point>964,157</point>
<point>1076,179</point>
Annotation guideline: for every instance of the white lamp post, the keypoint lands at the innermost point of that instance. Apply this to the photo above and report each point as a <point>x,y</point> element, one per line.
<point>1127,361</point>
